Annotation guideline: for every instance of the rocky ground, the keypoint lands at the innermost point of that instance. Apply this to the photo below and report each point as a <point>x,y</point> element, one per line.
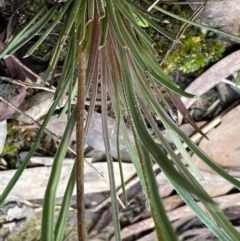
<point>217,110</point>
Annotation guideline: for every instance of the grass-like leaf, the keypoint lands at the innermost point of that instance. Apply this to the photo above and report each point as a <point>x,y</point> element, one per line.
<point>46,33</point>
<point>104,77</point>
<point>47,227</point>
<point>62,217</point>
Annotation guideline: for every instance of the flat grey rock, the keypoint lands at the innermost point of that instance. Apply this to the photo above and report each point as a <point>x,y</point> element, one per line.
<point>33,182</point>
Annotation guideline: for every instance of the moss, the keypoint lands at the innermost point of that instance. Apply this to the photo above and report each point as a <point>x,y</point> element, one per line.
<point>13,141</point>
<point>193,54</point>
<point>34,6</point>
<point>194,51</point>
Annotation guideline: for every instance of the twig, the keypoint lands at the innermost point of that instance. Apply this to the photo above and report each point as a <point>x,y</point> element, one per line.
<point>27,85</point>
<point>153,5</point>
<point>230,83</point>
<point>36,86</point>
<point>211,108</point>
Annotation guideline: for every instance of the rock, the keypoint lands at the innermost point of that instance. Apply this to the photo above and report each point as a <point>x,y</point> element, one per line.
<point>214,184</point>
<point>33,182</point>
<point>223,15</point>
<point>223,145</point>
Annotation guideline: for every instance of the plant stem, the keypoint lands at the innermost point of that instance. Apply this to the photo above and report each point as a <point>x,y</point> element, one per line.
<point>80,146</point>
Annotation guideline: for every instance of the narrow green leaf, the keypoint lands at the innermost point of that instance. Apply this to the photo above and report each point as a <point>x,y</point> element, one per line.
<point>30,33</point>
<point>46,33</point>
<point>90,9</point>
<point>47,227</point>
<point>238,78</point>
<point>71,15</point>
<point>212,208</point>
<point>186,139</point>
<point>113,85</point>
<point>101,8</point>
<point>114,99</point>
<point>129,15</point>
<point>63,214</point>
<point>103,77</point>
<point>94,41</point>
<point>149,63</point>
<point>114,21</point>
<point>158,28</point>
<point>183,192</point>
<point>140,20</point>
<point>104,31</point>
<point>183,110</point>
<point>174,137</point>
<point>153,149</point>
<point>200,214</point>
<point>231,36</point>
<point>15,40</point>
<point>147,16</point>
<point>163,227</point>
<point>70,98</point>
<point>82,24</point>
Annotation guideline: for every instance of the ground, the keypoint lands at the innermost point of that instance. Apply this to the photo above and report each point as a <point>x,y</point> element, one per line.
<point>20,216</point>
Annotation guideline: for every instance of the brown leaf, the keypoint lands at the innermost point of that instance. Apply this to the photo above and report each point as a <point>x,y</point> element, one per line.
<point>194,125</point>
<point>6,110</point>
<point>16,72</point>
<point>36,107</point>
<point>13,67</point>
<point>2,35</point>
<point>182,109</point>
<point>20,67</point>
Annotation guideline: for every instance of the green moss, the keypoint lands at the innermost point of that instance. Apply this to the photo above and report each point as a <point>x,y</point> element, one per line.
<point>9,149</point>
<point>13,141</point>
<point>34,6</point>
<point>194,51</point>
<point>194,54</point>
